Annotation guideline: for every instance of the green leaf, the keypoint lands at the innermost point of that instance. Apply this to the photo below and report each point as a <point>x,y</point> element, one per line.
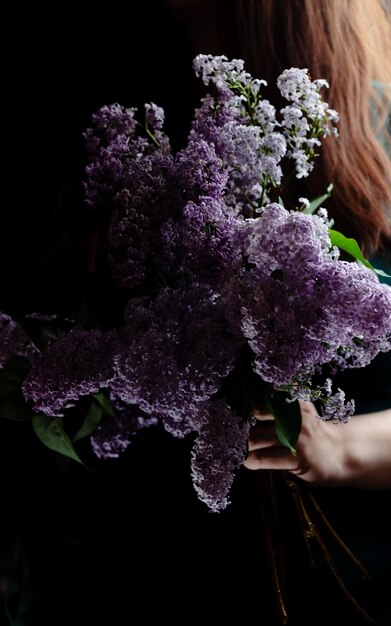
<point>288,419</point>
<point>91,421</point>
<point>381,273</point>
<point>105,403</point>
<point>50,431</point>
<point>375,269</point>
<point>316,202</point>
<point>44,337</point>
<point>348,245</point>
<point>351,247</point>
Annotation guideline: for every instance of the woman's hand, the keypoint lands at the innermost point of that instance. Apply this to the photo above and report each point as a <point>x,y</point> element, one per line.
<point>356,454</point>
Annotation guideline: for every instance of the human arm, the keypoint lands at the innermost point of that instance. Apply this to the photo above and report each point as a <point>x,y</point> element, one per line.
<point>356,454</point>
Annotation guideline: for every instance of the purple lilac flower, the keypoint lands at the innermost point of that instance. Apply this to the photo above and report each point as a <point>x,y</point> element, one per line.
<point>154,116</point>
<point>337,409</point>
<point>174,353</point>
<point>302,307</point>
<point>186,232</point>
<point>245,153</point>
<point>107,124</point>
<point>142,205</point>
<point>113,436</point>
<point>360,352</point>
<point>242,139</point>
<point>110,169</point>
<point>218,452</point>
<point>333,407</point>
<point>13,340</point>
<point>130,178</point>
<point>116,142</point>
<point>282,239</point>
<point>199,172</point>
<point>204,245</point>
<point>77,364</point>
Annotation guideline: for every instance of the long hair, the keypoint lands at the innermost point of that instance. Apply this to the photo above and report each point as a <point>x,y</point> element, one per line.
<point>348,42</point>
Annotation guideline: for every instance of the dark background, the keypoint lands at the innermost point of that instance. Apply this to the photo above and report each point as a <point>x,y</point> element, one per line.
<point>61,67</point>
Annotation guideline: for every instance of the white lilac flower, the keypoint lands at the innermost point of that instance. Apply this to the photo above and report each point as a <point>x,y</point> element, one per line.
<point>265,115</point>
<point>305,203</point>
<point>307,119</point>
<point>154,116</point>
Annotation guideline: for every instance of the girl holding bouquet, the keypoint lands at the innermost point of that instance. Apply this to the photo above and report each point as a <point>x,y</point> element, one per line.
<point>173,549</point>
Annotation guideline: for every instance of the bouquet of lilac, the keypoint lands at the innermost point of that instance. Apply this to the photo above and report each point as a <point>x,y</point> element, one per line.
<point>230,294</point>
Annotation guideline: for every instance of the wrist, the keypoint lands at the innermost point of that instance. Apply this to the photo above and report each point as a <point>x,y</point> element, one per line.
<point>367,457</point>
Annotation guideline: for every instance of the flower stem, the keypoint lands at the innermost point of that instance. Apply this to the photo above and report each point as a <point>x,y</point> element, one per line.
<point>311,531</point>
<point>271,551</point>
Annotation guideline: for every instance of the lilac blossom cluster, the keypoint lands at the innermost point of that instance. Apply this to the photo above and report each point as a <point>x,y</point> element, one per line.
<point>249,134</point>
<point>112,437</point>
<point>77,364</point>
<point>219,429</point>
<point>220,272</point>
<point>301,305</point>
<point>307,119</point>
<point>173,353</point>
